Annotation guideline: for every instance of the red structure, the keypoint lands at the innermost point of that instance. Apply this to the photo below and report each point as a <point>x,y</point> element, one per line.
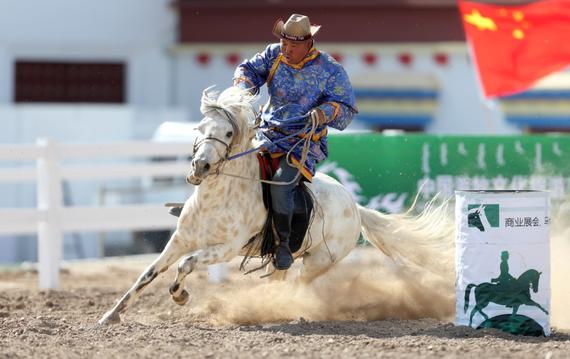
<point>385,21</point>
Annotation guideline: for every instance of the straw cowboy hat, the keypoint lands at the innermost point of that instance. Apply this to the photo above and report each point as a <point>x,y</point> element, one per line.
<point>297,28</point>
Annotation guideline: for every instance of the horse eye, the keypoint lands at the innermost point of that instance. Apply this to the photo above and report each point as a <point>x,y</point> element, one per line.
<point>229,134</point>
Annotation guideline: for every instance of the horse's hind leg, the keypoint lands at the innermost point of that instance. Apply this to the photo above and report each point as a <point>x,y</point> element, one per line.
<point>315,264</point>
<point>473,311</point>
<point>169,255</point>
<point>211,255</point>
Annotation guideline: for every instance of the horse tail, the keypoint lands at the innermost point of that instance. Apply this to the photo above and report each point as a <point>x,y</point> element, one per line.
<point>467,293</point>
<point>425,240</point>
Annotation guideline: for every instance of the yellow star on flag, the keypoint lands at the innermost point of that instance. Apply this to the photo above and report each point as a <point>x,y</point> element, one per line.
<point>481,22</point>
<point>518,34</point>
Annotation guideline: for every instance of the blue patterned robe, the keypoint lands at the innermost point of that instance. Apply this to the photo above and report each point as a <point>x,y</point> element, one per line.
<point>318,81</point>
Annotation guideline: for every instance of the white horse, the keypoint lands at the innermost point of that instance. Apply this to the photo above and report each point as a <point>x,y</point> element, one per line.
<point>225,212</point>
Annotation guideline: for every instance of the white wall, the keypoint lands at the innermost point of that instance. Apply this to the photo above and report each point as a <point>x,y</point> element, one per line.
<point>462,107</point>
<point>137,32</point>
<point>6,74</point>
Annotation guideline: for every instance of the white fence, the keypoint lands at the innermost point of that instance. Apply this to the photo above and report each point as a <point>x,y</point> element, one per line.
<point>51,219</point>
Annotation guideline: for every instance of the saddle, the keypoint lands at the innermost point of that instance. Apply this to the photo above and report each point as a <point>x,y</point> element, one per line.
<point>302,211</point>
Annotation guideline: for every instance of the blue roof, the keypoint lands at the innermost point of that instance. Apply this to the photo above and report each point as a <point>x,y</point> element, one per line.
<point>539,95</point>
<point>540,121</point>
<point>395,120</point>
<point>419,94</point>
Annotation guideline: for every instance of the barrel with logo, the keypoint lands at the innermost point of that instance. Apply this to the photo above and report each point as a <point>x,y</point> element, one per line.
<point>502,261</point>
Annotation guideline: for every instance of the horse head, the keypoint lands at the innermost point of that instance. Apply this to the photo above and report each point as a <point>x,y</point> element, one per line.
<point>227,127</point>
<point>531,278</point>
<point>474,219</point>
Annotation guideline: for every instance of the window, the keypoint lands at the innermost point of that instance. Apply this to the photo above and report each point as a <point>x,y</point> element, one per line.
<point>65,82</point>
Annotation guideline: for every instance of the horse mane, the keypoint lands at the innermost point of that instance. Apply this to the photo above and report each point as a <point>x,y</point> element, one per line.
<point>234,101</point>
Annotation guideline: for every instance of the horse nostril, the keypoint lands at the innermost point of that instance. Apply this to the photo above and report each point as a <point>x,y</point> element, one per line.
<point>207,167</point>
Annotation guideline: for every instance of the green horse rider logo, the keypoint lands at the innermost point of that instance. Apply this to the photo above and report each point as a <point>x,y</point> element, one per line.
<point>512,293</point>
<point>483,216</point>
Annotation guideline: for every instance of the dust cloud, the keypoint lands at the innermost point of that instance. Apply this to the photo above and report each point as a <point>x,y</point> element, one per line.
<point>367,285</point>
<point>364,286</point>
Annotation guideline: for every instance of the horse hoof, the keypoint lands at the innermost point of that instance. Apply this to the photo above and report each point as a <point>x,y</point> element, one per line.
<point>110,318</point>
<point>182,298</point>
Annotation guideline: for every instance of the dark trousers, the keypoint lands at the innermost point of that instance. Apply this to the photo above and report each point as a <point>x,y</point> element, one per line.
<point>282,196</point>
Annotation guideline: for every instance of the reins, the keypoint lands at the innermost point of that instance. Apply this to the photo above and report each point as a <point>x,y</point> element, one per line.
<point>306,146</point>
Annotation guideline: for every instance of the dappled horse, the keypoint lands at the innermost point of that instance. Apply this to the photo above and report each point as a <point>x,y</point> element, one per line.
<point>226,210</point>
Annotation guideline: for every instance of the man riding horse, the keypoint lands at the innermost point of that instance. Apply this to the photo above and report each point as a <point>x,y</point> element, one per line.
<point>225,212</point>
<point>301,80</point>
<point>505,279</point>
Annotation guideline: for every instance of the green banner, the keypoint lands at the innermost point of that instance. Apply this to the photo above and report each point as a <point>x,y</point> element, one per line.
<point>385,172</point>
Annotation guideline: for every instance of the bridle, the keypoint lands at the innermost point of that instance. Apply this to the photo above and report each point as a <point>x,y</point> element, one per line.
<point>236,134</point>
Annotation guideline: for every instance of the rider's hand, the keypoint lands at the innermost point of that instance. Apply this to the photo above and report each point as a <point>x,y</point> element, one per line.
<point>319,116</point>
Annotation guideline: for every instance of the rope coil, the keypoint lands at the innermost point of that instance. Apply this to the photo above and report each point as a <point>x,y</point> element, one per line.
<point>304,153</point>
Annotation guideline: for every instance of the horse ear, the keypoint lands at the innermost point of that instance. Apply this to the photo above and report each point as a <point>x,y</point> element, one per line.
<point>207,99</point>
<point>206,93</point>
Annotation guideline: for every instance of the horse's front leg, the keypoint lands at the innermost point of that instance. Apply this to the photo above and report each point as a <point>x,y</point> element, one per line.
<point>169,255</point>
<point>211,255</point>
<point>532,302</point>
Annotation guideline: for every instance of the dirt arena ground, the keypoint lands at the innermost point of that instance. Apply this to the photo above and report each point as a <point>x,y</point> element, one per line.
<point>365,307</point>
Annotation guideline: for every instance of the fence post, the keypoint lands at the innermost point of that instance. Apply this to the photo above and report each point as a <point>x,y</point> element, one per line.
<point>49,202</point>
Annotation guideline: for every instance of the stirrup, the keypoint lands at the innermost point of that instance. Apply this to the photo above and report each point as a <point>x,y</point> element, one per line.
<point>283,257</point>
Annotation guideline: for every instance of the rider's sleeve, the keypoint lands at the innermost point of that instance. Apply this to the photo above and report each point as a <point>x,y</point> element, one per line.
<point>252,74</point>
<point>339,103</point>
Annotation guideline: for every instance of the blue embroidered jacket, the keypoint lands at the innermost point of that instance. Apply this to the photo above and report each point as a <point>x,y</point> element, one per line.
<point>318,81</point>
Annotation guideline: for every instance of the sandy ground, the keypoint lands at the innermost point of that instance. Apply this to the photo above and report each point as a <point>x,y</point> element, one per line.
<point>365,307</point>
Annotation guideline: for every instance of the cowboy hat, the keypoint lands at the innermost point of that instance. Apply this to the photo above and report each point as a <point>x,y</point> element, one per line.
<point>297,28</point>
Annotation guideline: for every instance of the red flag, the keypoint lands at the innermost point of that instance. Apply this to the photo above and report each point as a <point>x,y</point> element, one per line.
<point>514,46</point>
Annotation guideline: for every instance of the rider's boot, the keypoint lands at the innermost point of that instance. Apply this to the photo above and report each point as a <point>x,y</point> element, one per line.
<point>283,255</point>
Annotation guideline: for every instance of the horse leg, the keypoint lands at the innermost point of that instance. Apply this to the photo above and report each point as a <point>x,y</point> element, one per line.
<point>532,302</point>
<point>315,264</point>
<point>169,255</point>
<point>215,254</point>
<point>473,311</point>
<point>478,308</point>
<point>483,313</point>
